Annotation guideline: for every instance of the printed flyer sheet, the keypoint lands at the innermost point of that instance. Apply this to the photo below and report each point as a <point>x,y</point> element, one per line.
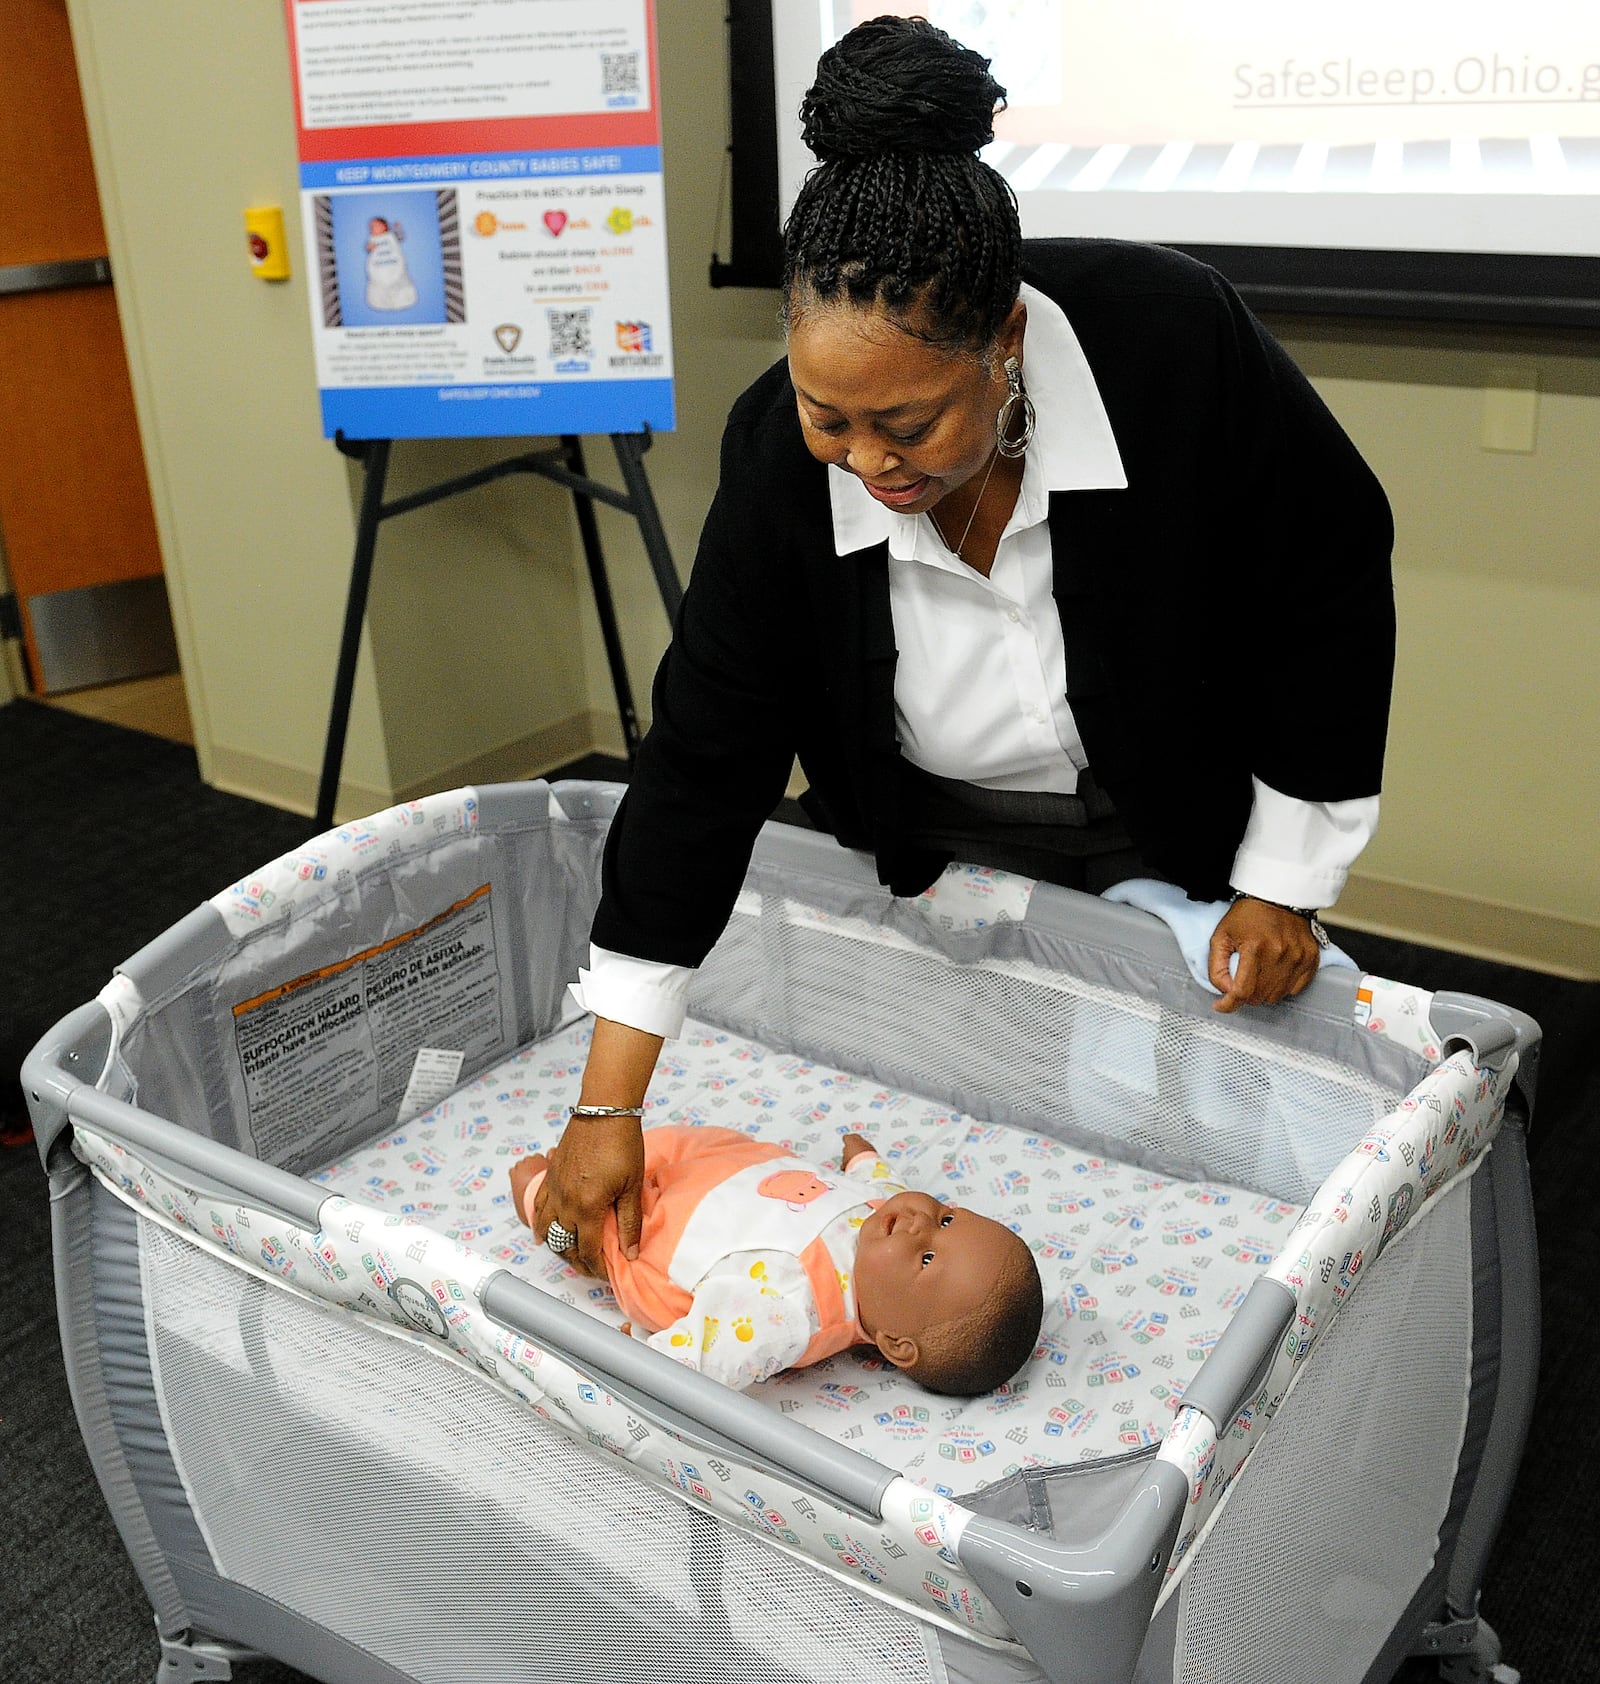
<point>343,1041</point>
<point>482,202</point>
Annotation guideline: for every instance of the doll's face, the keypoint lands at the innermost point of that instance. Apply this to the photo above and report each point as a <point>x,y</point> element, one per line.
<point>920,1263</point>
<point>377,226</point>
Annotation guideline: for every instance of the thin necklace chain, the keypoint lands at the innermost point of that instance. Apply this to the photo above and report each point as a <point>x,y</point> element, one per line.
<point>966,531</point>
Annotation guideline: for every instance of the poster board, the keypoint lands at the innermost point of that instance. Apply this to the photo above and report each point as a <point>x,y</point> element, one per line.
<point>485,226</point>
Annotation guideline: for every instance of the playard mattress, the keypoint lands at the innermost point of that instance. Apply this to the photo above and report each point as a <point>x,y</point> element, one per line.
<point>1141,1272</point>
<point>304,1325</point>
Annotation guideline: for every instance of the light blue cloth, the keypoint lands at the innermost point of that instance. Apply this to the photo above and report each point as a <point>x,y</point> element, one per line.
<point>1193,923</point>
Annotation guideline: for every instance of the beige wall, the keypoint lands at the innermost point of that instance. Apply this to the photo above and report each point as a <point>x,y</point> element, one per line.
<point>188,111</point>
<point>470,663</point>
<point>1492,788</point>
<point>483,656</point>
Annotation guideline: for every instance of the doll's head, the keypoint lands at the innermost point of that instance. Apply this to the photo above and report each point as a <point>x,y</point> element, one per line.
<point>950,1296</point>
<point>377,225</point>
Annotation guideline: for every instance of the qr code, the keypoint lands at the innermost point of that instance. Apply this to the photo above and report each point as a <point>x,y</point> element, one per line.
<point>619,74</point>
<point>569,332</point>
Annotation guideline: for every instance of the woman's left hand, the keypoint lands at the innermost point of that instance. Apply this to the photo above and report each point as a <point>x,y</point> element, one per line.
<point>1278,955</point>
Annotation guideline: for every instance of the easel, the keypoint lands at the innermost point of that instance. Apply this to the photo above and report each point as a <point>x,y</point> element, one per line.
<point>564,465</point>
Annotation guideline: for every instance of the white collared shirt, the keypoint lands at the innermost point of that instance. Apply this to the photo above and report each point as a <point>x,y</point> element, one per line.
<point>980,685</point>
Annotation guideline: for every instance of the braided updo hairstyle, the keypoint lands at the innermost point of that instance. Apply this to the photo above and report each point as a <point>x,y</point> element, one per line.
<point>900,212</point>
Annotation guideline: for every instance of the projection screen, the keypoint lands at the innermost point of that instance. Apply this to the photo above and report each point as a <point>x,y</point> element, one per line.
<point>1404,156</point>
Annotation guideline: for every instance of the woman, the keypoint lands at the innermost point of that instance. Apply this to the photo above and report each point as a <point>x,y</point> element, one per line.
<point>1047,558</point>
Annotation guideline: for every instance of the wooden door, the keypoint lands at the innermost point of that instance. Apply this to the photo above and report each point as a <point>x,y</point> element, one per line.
<point>75,519</point>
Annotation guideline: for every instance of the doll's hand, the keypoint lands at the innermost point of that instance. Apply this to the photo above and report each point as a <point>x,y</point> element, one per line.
<point>598,1166</point>
<point>1278,955</point>
<point>854,1146</point>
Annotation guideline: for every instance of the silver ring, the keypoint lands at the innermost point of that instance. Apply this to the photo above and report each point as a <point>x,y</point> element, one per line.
<point>559,1239</point>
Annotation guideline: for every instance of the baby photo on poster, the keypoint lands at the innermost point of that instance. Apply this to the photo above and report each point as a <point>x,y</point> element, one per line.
<point>389,257</point>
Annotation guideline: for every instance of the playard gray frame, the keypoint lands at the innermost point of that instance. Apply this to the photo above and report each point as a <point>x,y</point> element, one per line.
<point>1081,1608</point>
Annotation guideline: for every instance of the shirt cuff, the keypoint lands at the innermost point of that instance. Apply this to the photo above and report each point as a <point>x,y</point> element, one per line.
<point>641,993</point>
<point>1299,853</point>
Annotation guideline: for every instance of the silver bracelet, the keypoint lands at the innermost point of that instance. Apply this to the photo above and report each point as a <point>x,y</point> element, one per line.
<point>606,1111</point>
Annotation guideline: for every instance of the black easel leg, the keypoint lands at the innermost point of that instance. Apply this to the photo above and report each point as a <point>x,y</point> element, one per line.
<point>589,530</point>
<point>375,465</point>
<point>630,449</point>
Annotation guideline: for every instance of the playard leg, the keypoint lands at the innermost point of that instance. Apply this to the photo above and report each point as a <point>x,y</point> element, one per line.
<point>191,1659</point>
<point>1468,1652</point>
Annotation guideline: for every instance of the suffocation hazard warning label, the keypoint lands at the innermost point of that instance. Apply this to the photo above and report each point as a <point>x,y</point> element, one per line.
<point>337,1045</point>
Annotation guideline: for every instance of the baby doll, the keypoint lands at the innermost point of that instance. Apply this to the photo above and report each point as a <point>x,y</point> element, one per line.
<point>389,283</point>
<point>752,1261</point>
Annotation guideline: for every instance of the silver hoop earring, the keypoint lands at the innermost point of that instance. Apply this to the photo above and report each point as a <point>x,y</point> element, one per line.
<point>1016,393</point>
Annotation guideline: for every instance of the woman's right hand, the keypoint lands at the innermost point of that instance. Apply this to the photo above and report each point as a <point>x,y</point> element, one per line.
<point>598,1166</point>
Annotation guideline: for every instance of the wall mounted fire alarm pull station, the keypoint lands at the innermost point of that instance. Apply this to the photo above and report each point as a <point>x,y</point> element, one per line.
<point>269,248</point>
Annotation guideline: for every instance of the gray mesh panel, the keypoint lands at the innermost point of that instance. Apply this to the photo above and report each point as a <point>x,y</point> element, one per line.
<point>1045,1051</point>
<point>1336,1516</point>
<point>390,1497</point>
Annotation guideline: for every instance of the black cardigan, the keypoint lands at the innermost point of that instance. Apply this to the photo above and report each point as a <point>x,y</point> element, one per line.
<point>1229,613</point>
